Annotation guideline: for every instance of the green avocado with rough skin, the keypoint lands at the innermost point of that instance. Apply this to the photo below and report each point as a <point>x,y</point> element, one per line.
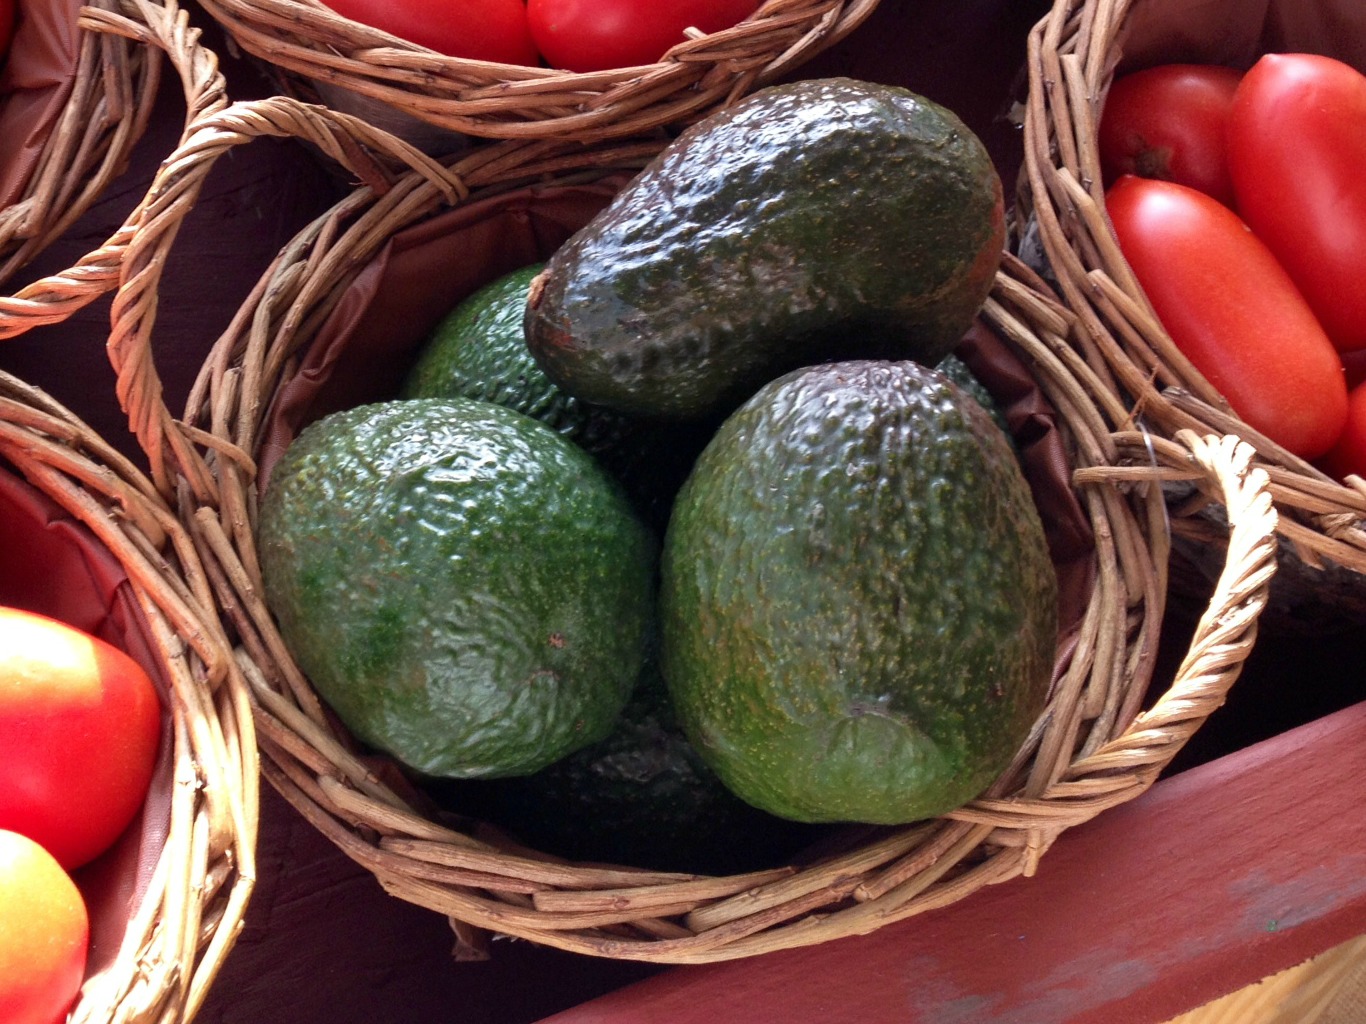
<point>815,220</point>
<point>858,607</point>
<point>467,589</point>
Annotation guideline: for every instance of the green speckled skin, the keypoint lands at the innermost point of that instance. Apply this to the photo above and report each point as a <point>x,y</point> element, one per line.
<point>816,220</point>
<point>465,588</point>
<point>479,350</point>
<point>858,609</point>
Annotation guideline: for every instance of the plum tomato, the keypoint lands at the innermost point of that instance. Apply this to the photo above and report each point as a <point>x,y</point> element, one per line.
<point>1349,454</point>
<point>1296,149</point>
<point>80,725</point>
<point>1233,311</point>
<point>492,30</point>
<point>1167,122</point>
<point>594,35</point>
<point>44,934</point>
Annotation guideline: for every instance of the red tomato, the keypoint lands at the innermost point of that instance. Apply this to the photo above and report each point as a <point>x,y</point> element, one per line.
<point>1233,311</point>
<point>44,934</point>
<point>1168,122</point>
<point>1349,454</point>
<point>593,35</point>
<point>80,724</point>
<point>494,30</point>
<point>1297,147</point>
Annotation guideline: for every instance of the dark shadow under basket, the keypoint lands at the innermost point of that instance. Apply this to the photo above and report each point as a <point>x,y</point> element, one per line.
<point>1103,739</point>
<point>1074,53</point>
<point>80,93</point>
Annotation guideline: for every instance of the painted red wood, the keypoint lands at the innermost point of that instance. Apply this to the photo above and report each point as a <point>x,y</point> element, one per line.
<point>1214,879</point>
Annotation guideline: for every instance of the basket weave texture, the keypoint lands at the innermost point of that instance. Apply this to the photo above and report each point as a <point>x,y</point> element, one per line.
<point>1102,740</point>
<point>318,47</point>
<point>189,891</point>
<point>123,46</point>
<point>1073,54</point>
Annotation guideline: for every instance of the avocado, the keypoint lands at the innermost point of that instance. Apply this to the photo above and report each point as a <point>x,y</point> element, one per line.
<point>479,350</point>
<point>858,607</point>
<point>815,220</point>
<point>467,589</point>
<point>642,796</point>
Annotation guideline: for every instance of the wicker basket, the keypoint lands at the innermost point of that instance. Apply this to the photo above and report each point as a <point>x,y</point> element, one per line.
<point>108,555</point>
<point>406,88</point>
<point>72,139</point>
<point>1103,739</point>
<point>1073,54</point>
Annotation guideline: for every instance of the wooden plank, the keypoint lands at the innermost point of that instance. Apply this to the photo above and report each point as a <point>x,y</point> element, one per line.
<point>1216,878</point>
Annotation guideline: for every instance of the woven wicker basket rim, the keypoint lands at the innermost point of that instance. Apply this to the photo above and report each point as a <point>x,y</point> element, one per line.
<point>312,45</point>
<point>201,880</point>
<point>1094,748</point>
<point>1073,53</point>
<point>124,44</point>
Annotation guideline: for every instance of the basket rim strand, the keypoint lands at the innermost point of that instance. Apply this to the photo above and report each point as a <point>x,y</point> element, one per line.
<point>307,40</point>
<point>124,44</point>
<point>1095,746</point>
<point>1072,54</point>
<point>197,897</point>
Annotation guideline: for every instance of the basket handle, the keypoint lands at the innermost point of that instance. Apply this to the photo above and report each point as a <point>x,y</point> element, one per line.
<point>162,27</point>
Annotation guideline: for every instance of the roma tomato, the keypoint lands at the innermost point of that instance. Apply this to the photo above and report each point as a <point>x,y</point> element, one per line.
<point>80,724</point>
<point>44,934</point>
<point>1349,454</point>
<point>494,30</point>
<point>1168,122</point>
<point>593,35</point>
<point>1233,311</point>
<point>1297,149</point>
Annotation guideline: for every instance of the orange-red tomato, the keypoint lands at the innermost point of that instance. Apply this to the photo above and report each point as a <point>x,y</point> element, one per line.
<point>493,30</point>
<point>594,35</point>
<point>1349,454</point>
<point>44,934</point>
<point>1233,311</point>
<point>80,725</point>
<point>1296,150</point>
<point>1168,122</point>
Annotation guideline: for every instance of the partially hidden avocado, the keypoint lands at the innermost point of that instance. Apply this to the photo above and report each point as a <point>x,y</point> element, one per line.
<point>815,220</point>
<point>465,588</point>
<point>858,607</point>
<point>479,350</point>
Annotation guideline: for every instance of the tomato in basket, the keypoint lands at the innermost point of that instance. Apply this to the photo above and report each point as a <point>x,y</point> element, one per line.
<point>594,35</point>
<point>80,726</point>
<point>1349,454</point>
<point>44,934</point>
<point>492,30</point>
<point>1297,149</point>
<point>1167,122</point>
<point>1233,311</point>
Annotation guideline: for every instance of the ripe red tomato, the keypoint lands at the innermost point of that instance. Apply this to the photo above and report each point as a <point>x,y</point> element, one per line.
<point>1349,454</point>
<point>80,724</point>
<point>44,934</point>
<point>1233,311</point>
<point>1297,146</point>
<point>594,35</point>
<point>1168,122</point>
<point>494,30</point>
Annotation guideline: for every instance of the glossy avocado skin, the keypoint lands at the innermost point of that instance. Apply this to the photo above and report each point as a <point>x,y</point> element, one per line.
<point>828,218</point>
<point>858,608</point>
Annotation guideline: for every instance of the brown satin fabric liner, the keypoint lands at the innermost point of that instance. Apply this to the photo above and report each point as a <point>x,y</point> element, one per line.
<point>53,565</point>
<point>35,82</point>
<point>425,270</point>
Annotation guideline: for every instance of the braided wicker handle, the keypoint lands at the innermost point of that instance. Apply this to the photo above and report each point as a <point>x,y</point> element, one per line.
<point>164,28</point>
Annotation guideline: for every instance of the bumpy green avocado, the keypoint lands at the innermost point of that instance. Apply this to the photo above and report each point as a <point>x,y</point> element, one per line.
<point>858,608</point>
<point>479,350</point>
<point>466,588</point>
<point>821,219</point>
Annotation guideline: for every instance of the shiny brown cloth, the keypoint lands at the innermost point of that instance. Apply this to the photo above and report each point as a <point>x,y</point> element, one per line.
<point>35,82</point>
